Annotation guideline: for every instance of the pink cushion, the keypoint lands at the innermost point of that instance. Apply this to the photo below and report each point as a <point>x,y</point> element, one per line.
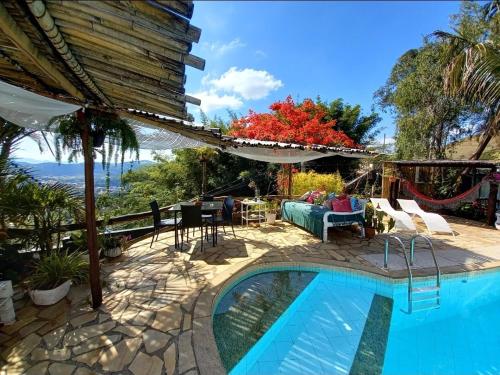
<point>313,196</point>
<point>341,205</point>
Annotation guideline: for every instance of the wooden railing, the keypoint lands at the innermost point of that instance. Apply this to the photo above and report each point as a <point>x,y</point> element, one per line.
<point>124,218</point>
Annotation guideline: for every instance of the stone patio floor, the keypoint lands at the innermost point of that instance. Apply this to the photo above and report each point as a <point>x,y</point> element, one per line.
<point>145,325</point>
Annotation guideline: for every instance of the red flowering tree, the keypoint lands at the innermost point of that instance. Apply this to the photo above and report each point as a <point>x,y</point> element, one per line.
<point>291,123</point>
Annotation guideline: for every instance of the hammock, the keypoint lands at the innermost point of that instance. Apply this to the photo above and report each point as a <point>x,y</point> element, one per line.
<point>452,203</point>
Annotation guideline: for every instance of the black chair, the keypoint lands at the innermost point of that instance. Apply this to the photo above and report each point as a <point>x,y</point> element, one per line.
<point>226,216</point>
<point>192,218</point>
<point>158,223</point>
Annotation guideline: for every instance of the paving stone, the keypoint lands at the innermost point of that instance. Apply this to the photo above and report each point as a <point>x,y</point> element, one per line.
<point>20,323</point>
<point>38,369</point>
<point>95,343</point>
<point>61,369</point>
<point>89,358</point>
<point>58,321</point>
<point>103,317</point>
<point>170,359</point>
<point>154,340</point>
<point>22,349</point>
<point>187,322</point>
<point>186,355</point>
<point>85,371</point>
<point>144,364</point>
<point>168,318</point>
<point>32,327</point>
<point>81,334</point>
<point>53,338</point>
<point>82,319</point>
<point>144,317</point>
<point>117,357</point>
<point>51,311</point>
<point>40,354</point>
<point>129,330</point>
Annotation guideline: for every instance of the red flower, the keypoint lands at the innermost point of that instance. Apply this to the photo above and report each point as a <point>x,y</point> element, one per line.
<point>291,123</point>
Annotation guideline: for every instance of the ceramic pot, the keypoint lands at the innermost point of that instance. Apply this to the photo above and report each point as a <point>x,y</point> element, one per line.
<point>50,296</point>
<point>270,217</point>
<point>113,253</point>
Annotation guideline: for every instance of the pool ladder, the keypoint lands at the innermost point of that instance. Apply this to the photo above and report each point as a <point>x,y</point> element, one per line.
<point>423,294</point>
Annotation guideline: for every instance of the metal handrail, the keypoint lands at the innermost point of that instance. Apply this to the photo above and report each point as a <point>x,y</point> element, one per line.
<point>408,267</point>
<point>431,246</point>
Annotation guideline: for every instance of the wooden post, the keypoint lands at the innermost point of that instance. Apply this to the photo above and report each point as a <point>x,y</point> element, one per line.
<point>94,269</point>
<point>492,203</point>
<point>289,181</point>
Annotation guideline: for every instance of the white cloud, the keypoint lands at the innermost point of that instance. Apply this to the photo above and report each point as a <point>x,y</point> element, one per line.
<point>218,48</point>
<point>261,54</point>
<point>212,101</point>
<point>249,83</point>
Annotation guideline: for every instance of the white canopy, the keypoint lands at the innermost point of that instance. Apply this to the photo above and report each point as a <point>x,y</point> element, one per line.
<point>30,110</point>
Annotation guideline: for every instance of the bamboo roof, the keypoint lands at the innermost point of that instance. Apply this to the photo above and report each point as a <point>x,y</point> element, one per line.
<point>115,55</point>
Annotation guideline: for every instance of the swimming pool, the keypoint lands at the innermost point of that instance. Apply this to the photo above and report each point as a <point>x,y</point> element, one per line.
<point>338,322</point>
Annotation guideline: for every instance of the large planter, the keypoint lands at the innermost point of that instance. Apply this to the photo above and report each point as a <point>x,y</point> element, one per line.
<point>270,217</point>
<point>50,296</point>
<point>113,253</point>
<point>497,224</point>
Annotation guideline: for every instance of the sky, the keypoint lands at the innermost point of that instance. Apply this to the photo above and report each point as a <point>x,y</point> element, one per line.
<point>259,52</point>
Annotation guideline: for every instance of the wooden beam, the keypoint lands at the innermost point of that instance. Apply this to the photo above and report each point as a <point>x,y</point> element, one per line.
<point>175,126</point>
<point>91,225</point>
<point>46,22</point>
<point>492,203</point>
<point>11,29</point>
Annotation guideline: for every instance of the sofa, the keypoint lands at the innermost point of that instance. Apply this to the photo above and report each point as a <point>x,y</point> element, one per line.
<point>317,219</point>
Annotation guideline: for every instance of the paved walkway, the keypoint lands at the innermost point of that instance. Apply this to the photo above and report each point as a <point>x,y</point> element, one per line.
<point>145,325</point>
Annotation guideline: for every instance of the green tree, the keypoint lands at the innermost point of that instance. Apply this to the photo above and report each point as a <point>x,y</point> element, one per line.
<point>472,73</point>
<point>360,128</point>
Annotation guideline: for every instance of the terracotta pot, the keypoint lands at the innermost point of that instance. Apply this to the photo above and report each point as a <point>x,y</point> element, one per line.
<point>369,232</point>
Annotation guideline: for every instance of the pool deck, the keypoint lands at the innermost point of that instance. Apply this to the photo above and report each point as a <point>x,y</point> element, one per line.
<point>156,314</point>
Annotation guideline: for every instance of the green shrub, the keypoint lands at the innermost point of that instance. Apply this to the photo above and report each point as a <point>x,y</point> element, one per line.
<point>306,181</point>
<point>56,268</point>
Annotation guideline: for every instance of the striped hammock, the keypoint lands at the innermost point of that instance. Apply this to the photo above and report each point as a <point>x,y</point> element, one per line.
<point>470,195</point>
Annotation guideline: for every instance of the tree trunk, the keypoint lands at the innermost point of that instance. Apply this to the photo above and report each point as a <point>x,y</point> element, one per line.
<point>94,269</point>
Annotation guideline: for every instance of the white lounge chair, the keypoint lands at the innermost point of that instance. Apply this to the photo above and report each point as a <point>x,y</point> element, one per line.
<point>402,220</point>
<point>433,222</point>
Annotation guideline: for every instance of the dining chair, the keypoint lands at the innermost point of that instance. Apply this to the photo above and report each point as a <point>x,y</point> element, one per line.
<point>158,223</point>
<point>192,218</point>
<point>226,216</point>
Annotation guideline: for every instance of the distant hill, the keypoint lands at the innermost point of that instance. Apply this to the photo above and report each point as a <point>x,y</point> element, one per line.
<point>73,173</point>
<point>464,148</point>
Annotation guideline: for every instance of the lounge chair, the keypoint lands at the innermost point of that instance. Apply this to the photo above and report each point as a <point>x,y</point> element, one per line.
<point>433,222</point>
<point>402,220</point>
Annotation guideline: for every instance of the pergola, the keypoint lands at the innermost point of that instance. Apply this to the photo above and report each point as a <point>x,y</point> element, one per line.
<point>124,57</point>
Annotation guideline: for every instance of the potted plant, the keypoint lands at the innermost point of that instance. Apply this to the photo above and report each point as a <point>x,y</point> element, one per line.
<point>369,227</point>
<point>113,246</point>
<point>272,208</point>
<point>53,275</point>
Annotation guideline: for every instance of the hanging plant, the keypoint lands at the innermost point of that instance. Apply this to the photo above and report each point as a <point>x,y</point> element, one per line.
<point>110,135</point>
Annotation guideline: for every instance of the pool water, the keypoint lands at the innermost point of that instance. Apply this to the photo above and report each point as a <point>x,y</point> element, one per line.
<point>331,322</point>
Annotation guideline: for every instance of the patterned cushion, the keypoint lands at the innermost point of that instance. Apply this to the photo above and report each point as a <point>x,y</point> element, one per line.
<point>356,204</point>
<point>341,205</point>
<point>305,196</point>
<point>330,196</point>
<point>328,203</point>
<point>313,196</point>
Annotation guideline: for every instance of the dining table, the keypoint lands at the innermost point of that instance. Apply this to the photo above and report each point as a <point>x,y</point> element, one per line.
<point>207,208</point>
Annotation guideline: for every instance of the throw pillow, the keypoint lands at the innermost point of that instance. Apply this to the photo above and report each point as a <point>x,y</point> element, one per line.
<point>341,205</point>
<point>314,195</point>
<point>305,196</point>
<point>356,204</point>
<point>328,204</point>
<point>330,196</point>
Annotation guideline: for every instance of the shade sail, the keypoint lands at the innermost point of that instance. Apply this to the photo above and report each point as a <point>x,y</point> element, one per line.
<point>29,110</point>
<point>156,132</point>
